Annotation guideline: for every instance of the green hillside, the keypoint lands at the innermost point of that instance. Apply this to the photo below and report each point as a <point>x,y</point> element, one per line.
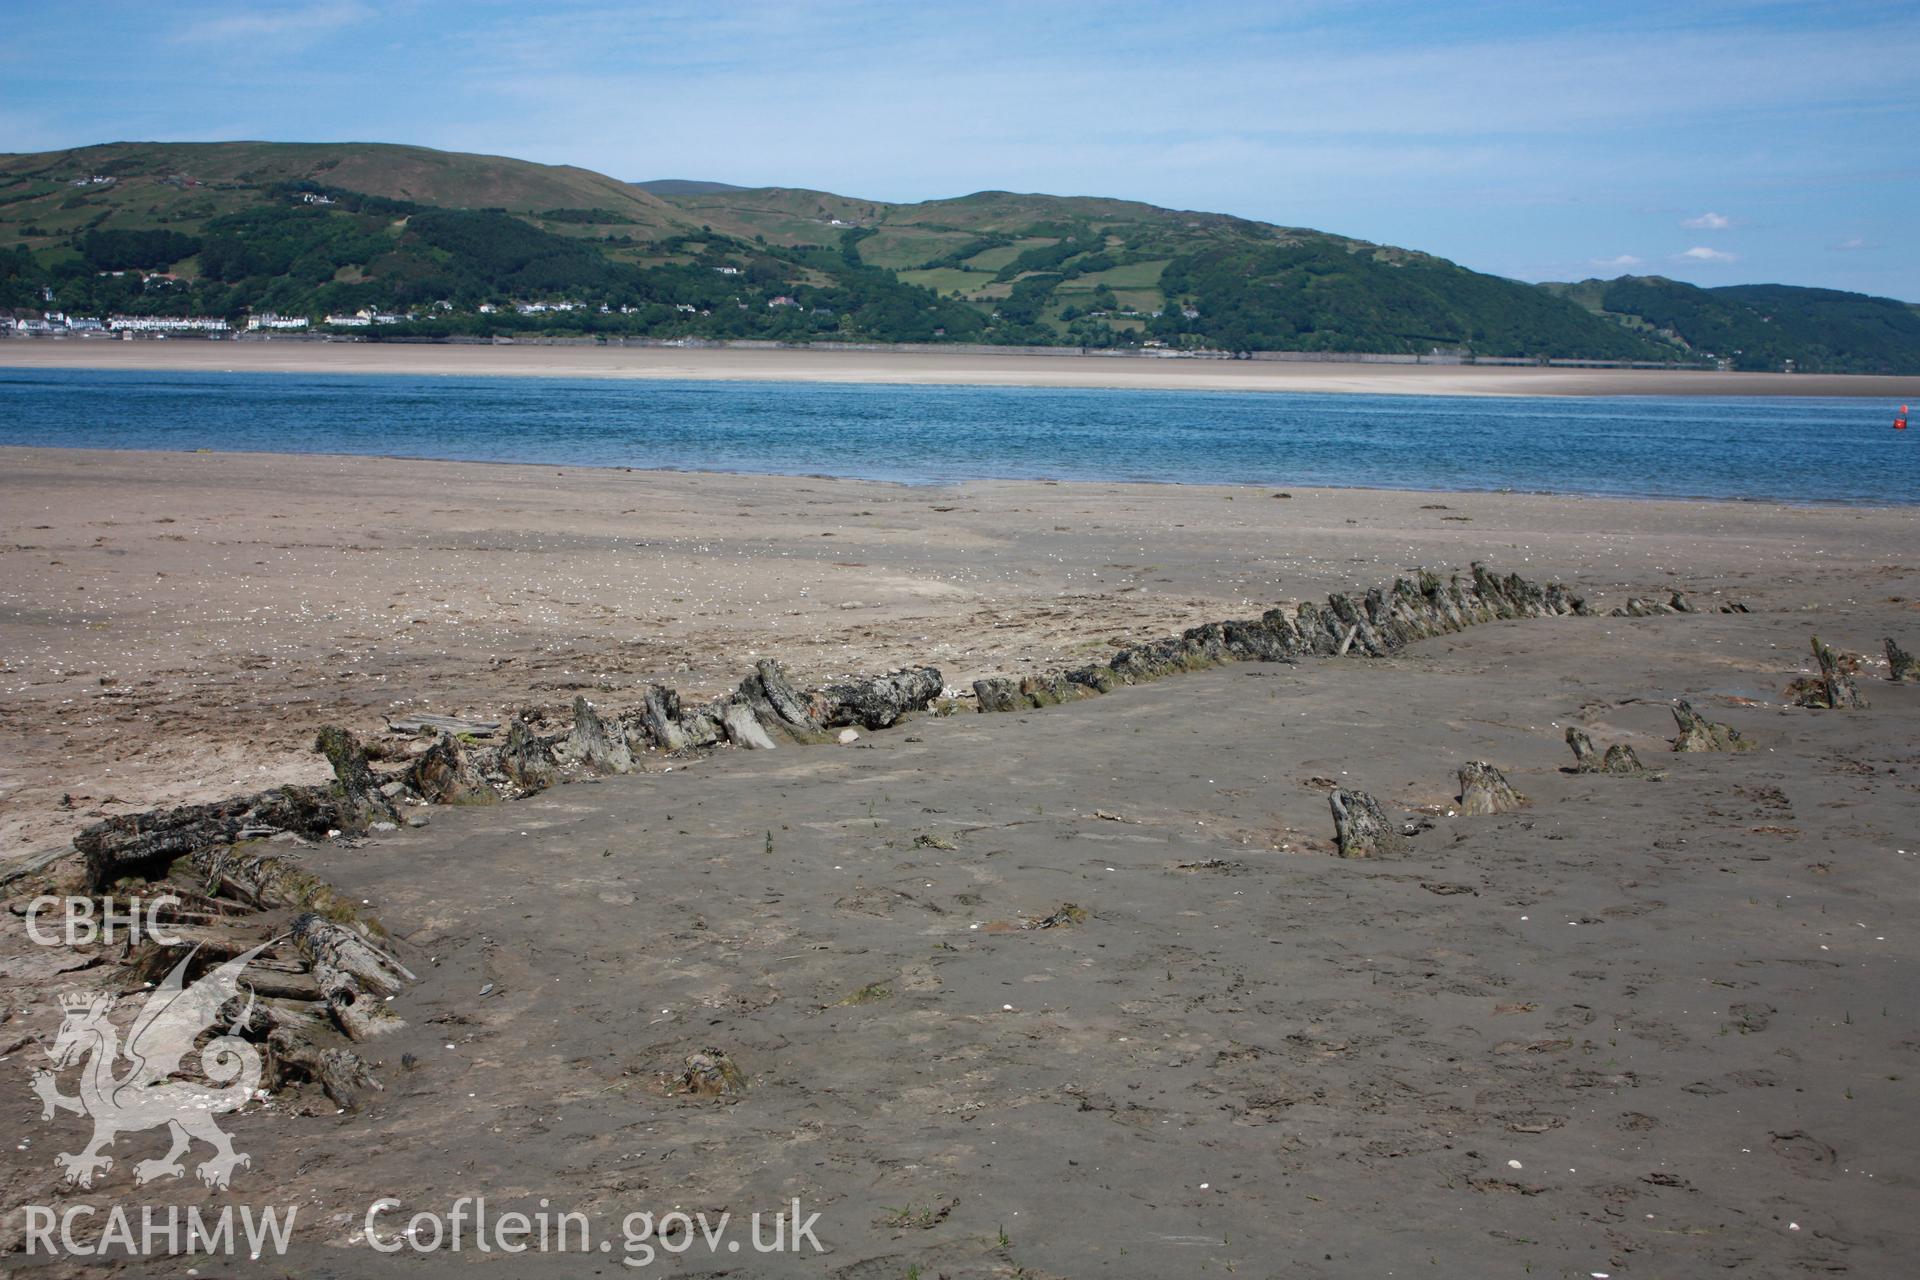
<point>184,183</point>
<point>429,243</point>
<point>1103,272</point>
<point>1761,326</point>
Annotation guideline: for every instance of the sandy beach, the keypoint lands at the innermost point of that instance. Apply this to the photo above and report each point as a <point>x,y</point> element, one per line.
<point>174,625</point>
<point>855,796</point>
<point>928,369</point>
<point>1643,1026</point>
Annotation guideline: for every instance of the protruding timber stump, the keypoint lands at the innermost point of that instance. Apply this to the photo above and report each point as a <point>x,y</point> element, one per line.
<point>1697,733</point>
<point>1900,663</point>
<point>1360,828</point>
<point>445,774</point>
<point>1485,790</point>
<point>596,745</point>
<point>353,976</point>
<point>1832,688</point>
<point>1619,758</point>
<point>525,760</point>
<point>355,790</point>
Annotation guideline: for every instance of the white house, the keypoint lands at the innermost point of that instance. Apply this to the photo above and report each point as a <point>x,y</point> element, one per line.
<point>268,320</point>
<point>167,324</point>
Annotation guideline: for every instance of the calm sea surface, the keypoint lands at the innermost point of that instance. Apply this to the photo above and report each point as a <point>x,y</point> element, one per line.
<point>1803,450</point>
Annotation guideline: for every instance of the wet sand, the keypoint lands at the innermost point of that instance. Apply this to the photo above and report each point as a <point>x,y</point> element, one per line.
<point>922,368</point>
<point>1642,1027</point>
<point>174,626</point>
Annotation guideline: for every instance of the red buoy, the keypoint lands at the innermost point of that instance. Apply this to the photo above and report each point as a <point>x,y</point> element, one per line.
<point>1900,423</point>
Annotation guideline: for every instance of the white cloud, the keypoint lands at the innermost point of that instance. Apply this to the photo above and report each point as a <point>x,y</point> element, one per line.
<point>1708,221</point>
<point>1700,253</point>
<point>299,24</point>
<point>1852,243</point>
<point>1620,262</point>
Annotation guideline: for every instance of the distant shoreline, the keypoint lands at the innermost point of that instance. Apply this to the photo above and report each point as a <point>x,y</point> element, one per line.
<point>923,368</point>
<point>104,454</point>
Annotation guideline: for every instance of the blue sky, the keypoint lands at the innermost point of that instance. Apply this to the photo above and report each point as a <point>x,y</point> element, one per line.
<point>1712,142</point>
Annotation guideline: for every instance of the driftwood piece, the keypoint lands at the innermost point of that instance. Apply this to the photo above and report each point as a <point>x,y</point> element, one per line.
<point>144,844</point>
<point>209,945</point>
<point>282,984</point>
<point>778,705</point>
<point>743,728</point>
<point>1832,687</point>
<point>596,745</point>
<point>295,1031</point>
<point>525,759</point>
<point>1050,689</point>
<point>701,725</point>
<point>1640,607</point>
<point>710,1073</point>
<point>34,863</point>
<point>660,718</point>
<point>1099,677</point>
<point>358,800</point>
<point>1622,759</point>
<point>1900,663</point>
<point>876,703</point>
<point>1360,828</point>
<point>1485,790</point>
<point>352,975</point>
<point>267,880</point>
<point>1697,733</point>
<point>349,952</point>
<point>340,1072</point>
<point>1587,758</point>
<point>283,980</point>
<point>205,947</point>
<point>446,774</point>
<point>254,1015</point>
<point>444,724</point>
<point>998,693</point>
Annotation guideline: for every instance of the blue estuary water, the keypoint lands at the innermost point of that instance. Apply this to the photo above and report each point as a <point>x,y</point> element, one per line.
<point>1800,450</point>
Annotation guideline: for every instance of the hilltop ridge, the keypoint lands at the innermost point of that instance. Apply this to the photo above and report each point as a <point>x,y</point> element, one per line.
<point>399,240</point>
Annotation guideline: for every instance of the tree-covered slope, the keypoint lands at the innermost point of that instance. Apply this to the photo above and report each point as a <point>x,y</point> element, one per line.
<point>1104,272</point>
<point>1762,326</point>
<point>472,244</point>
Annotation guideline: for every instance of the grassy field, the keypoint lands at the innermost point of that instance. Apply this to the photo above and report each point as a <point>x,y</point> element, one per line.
<point>994,259</point>
<point>897,248</point>
<point>1134,275</point>
<point>1134,288</point>
<point>784,215</point>
<point>948,279</point>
